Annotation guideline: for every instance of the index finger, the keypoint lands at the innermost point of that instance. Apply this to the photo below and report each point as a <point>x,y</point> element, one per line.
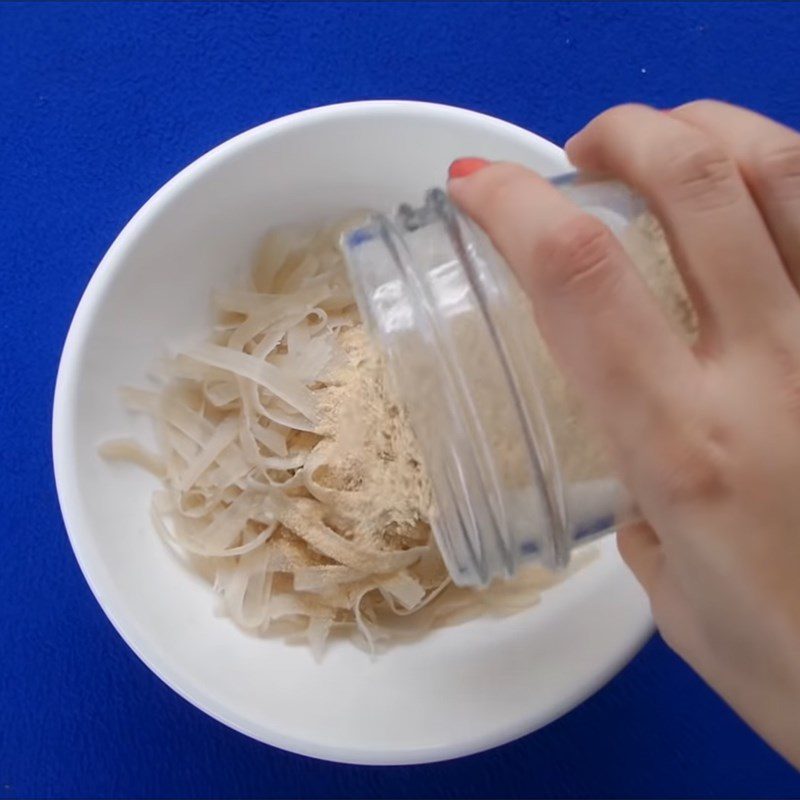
<point>603,326</point>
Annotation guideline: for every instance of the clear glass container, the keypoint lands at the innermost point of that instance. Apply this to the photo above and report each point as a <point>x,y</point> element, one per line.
<point>516,473</point>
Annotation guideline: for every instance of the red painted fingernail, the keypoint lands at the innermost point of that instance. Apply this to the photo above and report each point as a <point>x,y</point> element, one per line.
<point>462,167</point>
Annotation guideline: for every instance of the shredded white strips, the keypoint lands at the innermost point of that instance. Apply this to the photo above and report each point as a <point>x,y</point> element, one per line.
<point>247,495</point>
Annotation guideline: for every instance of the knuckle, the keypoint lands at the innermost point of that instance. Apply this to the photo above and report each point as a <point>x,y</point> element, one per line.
<point>700,172</point>
<point>577,255</point>
<point>787,367</point>
<point>776,167</point>
<point>620,114</point>
<point>699,109</point>
<point>792,395</point>
<point>608,126</point>
<point>696,467</point>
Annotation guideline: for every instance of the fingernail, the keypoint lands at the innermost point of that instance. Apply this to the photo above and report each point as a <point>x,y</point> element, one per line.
<point>462,167</point>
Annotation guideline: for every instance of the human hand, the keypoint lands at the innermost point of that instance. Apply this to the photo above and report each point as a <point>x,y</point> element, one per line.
<point>707,438</point>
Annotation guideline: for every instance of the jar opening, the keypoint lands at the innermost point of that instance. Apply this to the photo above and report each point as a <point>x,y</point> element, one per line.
<point>451,323</point>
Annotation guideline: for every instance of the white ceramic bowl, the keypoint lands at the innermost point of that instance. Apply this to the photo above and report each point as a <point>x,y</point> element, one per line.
<point>459,690</point>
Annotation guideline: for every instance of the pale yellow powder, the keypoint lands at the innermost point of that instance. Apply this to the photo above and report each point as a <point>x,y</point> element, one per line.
<point>368,454</point>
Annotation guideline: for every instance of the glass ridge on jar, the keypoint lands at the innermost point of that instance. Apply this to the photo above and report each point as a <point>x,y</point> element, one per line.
<point>505,451</point>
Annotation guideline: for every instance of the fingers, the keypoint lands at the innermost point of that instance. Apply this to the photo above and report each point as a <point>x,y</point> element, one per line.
<point>641,551</point>
<point>717,235</point>
<point>603,326</point>
<point>768,157</point>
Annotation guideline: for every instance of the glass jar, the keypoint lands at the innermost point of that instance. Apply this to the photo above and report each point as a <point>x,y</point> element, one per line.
<point>517,474</point>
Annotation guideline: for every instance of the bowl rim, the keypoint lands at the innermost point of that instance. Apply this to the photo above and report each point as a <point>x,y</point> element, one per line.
<point>64,406</point>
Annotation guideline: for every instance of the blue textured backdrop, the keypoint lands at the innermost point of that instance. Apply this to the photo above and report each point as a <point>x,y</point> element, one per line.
<point>100,105</point>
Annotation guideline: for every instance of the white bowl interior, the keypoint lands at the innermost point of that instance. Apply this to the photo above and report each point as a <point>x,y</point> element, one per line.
<point>456,691</point>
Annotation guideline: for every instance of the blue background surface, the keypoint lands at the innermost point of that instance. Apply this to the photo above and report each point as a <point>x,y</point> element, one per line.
<point>99,106</point>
